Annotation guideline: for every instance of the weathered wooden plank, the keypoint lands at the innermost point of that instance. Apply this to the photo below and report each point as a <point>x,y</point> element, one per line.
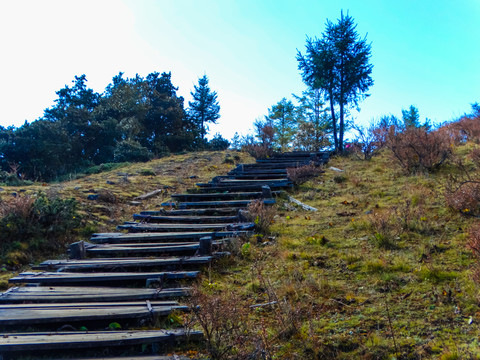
<point>149,194</point>
<point>92,339</point>
<point>226,203</point>
<point>245,170</point>
<point>191,212</point>
<point>97,278</point>
<point>22,314</point>
<point>122,263</point>
<point>63,294</point>
<point>227,185</point>
<point>184,219</point>
<point>219,196</point>
<point>122,250</point>
<point>119,238</point>
<point>235,188</point>
<point>139,227</point>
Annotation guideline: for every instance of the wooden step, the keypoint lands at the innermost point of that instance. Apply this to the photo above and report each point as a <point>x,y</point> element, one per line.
<point>97,278</point>
<point>241,169</point>
<point>192,212</point>
<point>16,342</point>
<point>225,203</point>
<point>121,264</point>
<point>64,294</point>
<point>34,314</point>
<point>119,238</point>
<point>185,219</point>
<point>221,196</point>
<point>238,188</point>
<point>144,249</point>
<point>227,183</point>
<point>140,227</point>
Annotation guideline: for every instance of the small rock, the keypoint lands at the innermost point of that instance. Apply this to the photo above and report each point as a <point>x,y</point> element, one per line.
<point>2,189</point>
<point>336,169</point>
<point>77,188</point>
<point>22,190</point>
<point>14,194</point>
<point>92,197</point>
<point>135,203</point>
<point>111,182</point>
<point>368,212</point>
<point>194,177</point>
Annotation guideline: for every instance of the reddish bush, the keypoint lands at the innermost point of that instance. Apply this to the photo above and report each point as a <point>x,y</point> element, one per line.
<point>465,129</point>
<point>417,149</point>
<point>299,175</point>
<point>464,196</point>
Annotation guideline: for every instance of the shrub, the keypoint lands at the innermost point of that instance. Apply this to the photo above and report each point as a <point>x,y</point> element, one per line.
<point>261,215</point>
<point>465,197</point>
<point>418,149</point>
<point>129,150</point>
<point>218,143</point>
<point>371,140</point>
<point>463,130</point>
<point>35,225</point>
<point>299,175</point>
<point>224,322</point>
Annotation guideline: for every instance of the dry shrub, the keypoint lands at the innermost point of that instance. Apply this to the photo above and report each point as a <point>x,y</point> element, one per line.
<point>107,196</point>
<point>301,174</point>
<point>462,188</point>
<point>32,226</point>
<point>18,206</point>
<point>224,322</point>
<point>387,226</point>
<point>258,151</point>
<point>369,141</point>
<point>386,229</point>
<point>261,215</point>
<point>464,197</point>
<point>418,149</point>
<point>463,130</point>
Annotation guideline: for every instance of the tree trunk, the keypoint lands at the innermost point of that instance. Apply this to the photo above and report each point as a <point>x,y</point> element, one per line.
<point>334,121</point>
<point>342,128</point>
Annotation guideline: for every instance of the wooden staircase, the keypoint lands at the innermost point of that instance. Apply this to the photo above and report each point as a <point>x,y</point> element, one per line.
<point>137,275</point>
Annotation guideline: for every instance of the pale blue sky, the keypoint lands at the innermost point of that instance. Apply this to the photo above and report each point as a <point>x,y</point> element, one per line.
<point>424,52</point>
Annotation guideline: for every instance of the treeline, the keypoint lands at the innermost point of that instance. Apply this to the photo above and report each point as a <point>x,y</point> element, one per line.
<point>135,119</point>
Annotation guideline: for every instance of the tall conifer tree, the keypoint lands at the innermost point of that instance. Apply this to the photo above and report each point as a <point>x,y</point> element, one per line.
<point>204,108</point>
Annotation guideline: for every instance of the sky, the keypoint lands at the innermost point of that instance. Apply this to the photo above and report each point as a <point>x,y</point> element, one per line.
<point>424,53</point>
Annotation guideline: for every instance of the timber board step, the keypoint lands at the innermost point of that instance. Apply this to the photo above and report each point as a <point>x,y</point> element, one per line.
<point>147,249</point>
<point>192,212</point>
<point>141,227</point>
<point>122,264</point>
<point>78,279</point>
<point>64,294</point>
<point>226,203</point>
<point>18,342</point>
<point>228,183</point>
<point>236,188</point>
<point>185,219</point>
<point>35,314</point>
<point>222,195</point>
<point>119,238</point>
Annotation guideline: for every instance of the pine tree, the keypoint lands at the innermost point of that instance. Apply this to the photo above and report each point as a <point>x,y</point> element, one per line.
<point>338,64</point>
<point>282,116</point>
<point>204,108</point>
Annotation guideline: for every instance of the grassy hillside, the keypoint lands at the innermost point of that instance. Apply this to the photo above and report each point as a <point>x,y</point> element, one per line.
<point>381,271</point>
<point>116,190</point>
